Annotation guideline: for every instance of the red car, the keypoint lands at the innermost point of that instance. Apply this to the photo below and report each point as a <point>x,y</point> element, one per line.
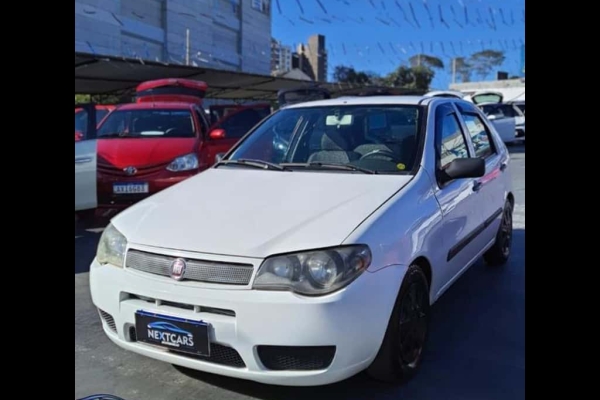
<point>162,139</point>
<point>81,119</point>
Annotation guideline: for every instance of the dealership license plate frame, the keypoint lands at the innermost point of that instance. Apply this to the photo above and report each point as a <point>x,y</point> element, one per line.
<point>198,328</point>
<point>122,188</point>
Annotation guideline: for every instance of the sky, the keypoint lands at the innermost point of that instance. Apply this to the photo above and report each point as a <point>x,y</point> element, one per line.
<point>379,35</point>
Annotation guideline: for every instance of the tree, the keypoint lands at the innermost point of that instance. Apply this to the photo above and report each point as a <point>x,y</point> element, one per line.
<point>426,60</point>
<point>483,62</point>
<point>102,99</point>
<point>462,68</point>
<point>418,78</point>
<point>344,74</point>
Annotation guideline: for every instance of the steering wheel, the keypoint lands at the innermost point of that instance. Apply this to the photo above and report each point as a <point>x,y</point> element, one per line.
<point>381,152</point>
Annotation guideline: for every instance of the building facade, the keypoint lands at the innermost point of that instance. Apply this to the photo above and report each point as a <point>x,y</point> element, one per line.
<point>224,34</point>
<point>311,58</point>
<point>281,58</point>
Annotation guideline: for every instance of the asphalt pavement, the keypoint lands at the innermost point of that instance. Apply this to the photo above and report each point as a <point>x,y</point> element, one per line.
<point>476,348</point>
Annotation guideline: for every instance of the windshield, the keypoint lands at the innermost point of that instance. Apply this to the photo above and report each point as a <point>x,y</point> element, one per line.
<point>148,124</point>
<point>382,139</point>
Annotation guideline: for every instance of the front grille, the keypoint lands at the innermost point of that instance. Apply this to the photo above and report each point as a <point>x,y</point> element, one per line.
<point>110,321</point>
<point>141,171</point>
<point>296,358</point>
<point>196,270</point>
<point>219,354</point>
<point>189,307</point>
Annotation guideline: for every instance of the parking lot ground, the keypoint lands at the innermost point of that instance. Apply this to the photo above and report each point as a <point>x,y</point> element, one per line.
<point>476,347</point>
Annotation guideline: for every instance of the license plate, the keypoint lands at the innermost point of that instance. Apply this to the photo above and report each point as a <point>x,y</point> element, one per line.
<point>130,188</point>
<point>174,333</point>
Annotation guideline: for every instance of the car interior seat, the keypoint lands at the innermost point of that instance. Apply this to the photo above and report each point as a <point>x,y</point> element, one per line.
<point>335,148</point>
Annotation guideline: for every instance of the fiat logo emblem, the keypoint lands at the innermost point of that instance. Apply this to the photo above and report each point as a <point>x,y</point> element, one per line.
<point>178,269</point>
<point>130,170</point>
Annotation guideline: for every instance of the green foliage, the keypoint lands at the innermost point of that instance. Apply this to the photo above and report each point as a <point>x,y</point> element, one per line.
<point>463,69</point>
<point>427,61</point>
<point>346,74</point>
<point>417,78</point>
<point>101,99</point>
<point>483,62</point>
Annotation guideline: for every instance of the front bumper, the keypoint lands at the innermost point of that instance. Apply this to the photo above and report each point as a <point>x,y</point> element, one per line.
<point>242,321</point>
<point>156,182</point>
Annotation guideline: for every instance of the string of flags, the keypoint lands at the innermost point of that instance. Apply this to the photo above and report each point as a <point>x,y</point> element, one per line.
<point>445,14</point>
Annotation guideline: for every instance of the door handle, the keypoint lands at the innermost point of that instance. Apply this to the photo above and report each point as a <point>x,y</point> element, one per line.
<point>476,186</point>
<point>502,167</point>
<point>82,160</point>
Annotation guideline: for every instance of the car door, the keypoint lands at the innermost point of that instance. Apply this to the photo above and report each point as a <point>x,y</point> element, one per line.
<point>491,187</point>
<point>459,199</point>
<point>503,122</point>
<point>85,160</point>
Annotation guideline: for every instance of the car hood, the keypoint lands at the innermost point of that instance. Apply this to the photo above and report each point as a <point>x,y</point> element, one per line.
<point>254,213</point>
<point>122,153</point>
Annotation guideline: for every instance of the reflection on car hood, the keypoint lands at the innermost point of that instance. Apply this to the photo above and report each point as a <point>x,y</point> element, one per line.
<point>123,152</point>
<point>256,213</point>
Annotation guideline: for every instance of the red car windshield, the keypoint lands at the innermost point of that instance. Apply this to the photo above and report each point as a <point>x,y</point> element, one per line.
<point>152,123</point>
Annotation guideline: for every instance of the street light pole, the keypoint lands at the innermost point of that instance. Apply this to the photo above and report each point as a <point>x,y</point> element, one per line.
<point>187,47</point>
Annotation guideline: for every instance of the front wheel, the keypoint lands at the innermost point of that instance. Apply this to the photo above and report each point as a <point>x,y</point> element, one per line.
<point>499,253</point>
<point>402,347</point>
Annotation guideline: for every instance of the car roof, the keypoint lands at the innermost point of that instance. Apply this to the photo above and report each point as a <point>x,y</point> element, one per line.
<point>363,100</point>
<point>170,105</point>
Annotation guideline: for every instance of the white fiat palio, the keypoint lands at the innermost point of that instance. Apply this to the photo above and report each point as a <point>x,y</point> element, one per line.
<point>314,249</point>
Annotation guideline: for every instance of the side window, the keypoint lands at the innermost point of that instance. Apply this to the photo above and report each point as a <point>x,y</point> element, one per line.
<point>83,123</point>
<point>480,135</point>
<point>452,140</point>
<point>238,124</point>
<point>509,110</point>
<point>201,121</point>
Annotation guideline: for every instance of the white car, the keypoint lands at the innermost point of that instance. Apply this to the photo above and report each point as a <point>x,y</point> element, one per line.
<point>306,269</point>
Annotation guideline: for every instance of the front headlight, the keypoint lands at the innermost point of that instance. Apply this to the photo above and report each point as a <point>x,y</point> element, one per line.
<point>316,272</point>
<point>184,163</point>
<point>111,249</point>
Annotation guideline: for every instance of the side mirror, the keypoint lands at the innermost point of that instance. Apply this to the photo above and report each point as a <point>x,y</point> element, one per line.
<point>219,157</point>
<point>461,168</point>
<point>492,117</point>
<point>217,134</point>
<point>78,136</point>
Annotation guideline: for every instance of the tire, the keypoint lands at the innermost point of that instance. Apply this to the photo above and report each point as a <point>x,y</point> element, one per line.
<point>392,364</point>
<point>499,253</point>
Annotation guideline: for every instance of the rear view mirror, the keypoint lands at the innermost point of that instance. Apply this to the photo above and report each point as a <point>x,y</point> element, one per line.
<point>217,134</point>
<point>461,168</point>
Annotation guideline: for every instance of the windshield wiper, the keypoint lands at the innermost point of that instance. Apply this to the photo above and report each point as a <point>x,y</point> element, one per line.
<point>317,165</point>
<point>254,164</point>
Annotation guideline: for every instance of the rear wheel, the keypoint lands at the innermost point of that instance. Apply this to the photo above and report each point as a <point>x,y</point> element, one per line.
<point>499,253</point>
<point>402,347</point>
